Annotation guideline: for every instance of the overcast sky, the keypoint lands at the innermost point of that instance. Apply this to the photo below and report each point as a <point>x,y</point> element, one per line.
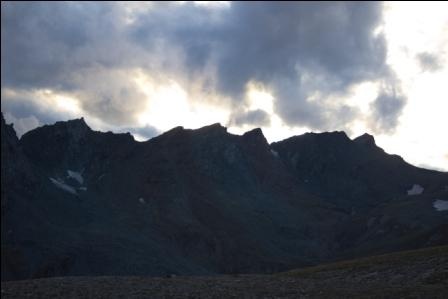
<point>288,68</point>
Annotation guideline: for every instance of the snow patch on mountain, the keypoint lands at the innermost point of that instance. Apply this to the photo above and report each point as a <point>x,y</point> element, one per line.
<point>416,190</point>
<point>76,176</point>
<point>440,205</point>
<point>63,186</point>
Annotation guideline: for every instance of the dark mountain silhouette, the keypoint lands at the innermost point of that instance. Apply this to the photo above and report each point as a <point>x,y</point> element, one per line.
<point>80,202</point>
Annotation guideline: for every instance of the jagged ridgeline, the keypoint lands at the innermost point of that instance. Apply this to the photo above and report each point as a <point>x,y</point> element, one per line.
<point>80,202</point>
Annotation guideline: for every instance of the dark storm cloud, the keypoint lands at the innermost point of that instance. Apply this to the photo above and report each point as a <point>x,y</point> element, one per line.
<point>429,62</point>
<point>307,54</point>
<point>44,43</point>
<point>386,109</point>
<point>256,117</point>
<point>275,41</point>
<point>298,50</point>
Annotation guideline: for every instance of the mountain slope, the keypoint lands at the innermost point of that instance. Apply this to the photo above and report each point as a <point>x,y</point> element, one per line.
<point>390,201</point>
<point>204,201</point>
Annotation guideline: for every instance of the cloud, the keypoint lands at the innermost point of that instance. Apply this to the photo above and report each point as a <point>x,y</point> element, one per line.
<point>308,55</point>
<point>433,167</point>
<point>256,117</point>
<point>22,125</point>
<point>386,109</point>
<point>43,106</point>
<point>74,48</point>
<point>140,133</point>
<point>110,94</point>
<point>30,109</point>
<point>429,61</point>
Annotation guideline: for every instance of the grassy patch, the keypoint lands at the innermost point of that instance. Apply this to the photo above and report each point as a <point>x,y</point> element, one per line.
<point>388,261</point>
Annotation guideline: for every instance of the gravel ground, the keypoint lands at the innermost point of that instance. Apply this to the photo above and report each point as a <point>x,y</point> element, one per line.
<point>211,287</point>
<point>403,275</point>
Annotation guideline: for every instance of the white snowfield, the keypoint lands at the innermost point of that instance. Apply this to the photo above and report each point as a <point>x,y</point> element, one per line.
<point>61,185</point>
<point>440,205</point>
<point>76,176</point>
<point>416,190</point>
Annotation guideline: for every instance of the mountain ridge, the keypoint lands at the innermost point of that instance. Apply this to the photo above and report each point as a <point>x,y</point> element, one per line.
<point>365,139</point>
<point>205,201</point>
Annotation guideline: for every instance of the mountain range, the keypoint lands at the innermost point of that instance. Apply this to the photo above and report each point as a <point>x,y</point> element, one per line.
<point>75,201</point>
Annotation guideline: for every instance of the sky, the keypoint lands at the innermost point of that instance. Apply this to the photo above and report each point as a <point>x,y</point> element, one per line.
<point>288,68</point>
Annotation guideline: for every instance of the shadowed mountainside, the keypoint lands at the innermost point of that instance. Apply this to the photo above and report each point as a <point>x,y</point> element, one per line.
<point>198,202</point>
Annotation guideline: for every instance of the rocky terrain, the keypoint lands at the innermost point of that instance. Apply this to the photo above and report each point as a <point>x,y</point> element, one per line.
<point>77,202</point>
<point>413,274</point>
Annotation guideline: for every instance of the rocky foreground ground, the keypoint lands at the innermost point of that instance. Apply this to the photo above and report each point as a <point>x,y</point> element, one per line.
<point>411,274</point>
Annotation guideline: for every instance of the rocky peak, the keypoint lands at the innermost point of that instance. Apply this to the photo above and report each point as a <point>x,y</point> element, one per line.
<point>325,140</point>
<point>73,130</point>
<point>255,136</point>
<point>173,133</point>
<point>215,128</point>
<point>77,127</point>
<point>8,132</point>
<point>78,123</point>
<point>16,173</point>
<point>365,139</point>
